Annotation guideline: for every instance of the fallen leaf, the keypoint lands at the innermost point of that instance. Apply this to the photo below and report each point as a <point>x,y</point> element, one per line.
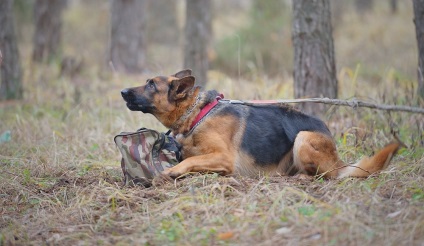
<point>225,235</point>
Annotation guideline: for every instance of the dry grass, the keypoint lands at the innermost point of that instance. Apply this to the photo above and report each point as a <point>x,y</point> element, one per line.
<point>209,210</point>
<point>60,179</point>
<point>60,182</point>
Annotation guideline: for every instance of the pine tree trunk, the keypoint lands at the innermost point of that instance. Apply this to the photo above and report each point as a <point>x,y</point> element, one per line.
<point>394,6</point>
<point>48,28</point>
<point>419,28</point>
<point>127,41</point>
<point>314,62</point>
<point>363,6</point>
<point>10,67</point>
<point>198,32</point>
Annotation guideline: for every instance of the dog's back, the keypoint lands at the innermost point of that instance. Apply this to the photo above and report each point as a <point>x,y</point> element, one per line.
<point>263,135</point>
<point>277,139</point>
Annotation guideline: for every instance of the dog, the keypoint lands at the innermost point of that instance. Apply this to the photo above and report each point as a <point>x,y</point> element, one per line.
<point>250,140</point>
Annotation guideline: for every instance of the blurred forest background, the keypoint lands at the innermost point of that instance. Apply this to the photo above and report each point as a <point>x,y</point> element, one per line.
<point>242,40</point>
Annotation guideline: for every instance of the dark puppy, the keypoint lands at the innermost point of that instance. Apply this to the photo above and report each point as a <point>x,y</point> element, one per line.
<point>218,136</point>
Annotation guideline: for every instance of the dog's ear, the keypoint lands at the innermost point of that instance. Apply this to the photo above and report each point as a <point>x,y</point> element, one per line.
<point>183,73</point>
<point>180,87</point>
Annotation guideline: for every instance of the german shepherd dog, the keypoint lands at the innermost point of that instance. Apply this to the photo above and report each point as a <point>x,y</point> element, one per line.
<point>250,140</point>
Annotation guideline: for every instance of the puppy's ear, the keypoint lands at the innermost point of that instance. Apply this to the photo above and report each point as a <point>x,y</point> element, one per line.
<point>183,73</point>
<point>180,87</point>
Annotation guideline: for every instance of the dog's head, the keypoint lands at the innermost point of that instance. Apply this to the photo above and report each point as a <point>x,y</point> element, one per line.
<point>160,94</point>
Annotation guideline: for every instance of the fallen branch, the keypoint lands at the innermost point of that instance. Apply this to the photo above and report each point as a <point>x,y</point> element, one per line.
<point>354,103</point>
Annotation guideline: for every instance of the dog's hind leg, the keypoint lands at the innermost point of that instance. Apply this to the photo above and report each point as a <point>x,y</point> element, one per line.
<point>315,153</point>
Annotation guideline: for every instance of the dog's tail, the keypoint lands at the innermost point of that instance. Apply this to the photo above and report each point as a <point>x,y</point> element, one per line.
<point>370,165</point>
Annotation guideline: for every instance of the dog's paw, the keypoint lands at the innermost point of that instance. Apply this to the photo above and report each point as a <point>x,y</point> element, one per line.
<point>172,173</point>
<point>161,180</point>
<point>302,176</point>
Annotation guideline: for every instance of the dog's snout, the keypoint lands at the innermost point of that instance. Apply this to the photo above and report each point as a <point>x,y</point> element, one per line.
<point>125,92</point>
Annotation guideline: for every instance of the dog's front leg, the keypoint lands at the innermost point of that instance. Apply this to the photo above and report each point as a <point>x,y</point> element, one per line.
<point>214,162</point>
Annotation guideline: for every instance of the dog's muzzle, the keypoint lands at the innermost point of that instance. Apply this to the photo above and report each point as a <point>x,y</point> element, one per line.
<point>135,102</point>
<point>127,94</point>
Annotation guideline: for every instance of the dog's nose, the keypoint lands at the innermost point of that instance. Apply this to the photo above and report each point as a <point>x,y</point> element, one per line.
<point>125,92</point>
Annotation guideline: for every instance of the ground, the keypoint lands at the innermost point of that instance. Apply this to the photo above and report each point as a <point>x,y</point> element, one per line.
<point>61,183</point>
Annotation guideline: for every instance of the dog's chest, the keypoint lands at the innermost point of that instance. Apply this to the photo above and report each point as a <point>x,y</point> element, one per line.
<point>190,147</point>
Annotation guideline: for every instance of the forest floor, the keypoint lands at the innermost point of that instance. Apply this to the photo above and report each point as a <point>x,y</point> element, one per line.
<point>60,176</point>
<point>61,183</point>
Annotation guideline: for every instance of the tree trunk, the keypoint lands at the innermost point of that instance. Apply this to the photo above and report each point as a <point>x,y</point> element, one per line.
<point>48,28</point>
<point>394,6</point>
<point>314,62</point>
<point>127,41</point>
<point>10,67</point>
<point>198,32</point>
<point>419,28</point>
<point>363,6</point>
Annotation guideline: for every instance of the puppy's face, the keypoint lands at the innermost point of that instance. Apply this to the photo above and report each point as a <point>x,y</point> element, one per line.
<point>160,94</point>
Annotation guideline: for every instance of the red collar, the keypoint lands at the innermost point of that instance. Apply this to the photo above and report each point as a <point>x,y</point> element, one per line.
<point>205,110</point>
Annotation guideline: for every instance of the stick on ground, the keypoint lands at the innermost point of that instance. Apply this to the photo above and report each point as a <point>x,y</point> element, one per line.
<point>354,103</point>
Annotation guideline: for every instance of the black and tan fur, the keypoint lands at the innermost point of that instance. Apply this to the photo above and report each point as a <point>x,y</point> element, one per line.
<point>242,139</point>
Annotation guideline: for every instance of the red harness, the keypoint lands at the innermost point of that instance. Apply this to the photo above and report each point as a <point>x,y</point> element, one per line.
<point>205,110</point>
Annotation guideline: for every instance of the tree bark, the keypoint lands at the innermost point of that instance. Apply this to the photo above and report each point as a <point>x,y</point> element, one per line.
<point>48,28</point>
<point>363,6</point>
<point>394,6</point>
<point>198,32</point>
<point>314,62</point>
<point>127,41</point>
<point>10,66</point>
<point>419,29</point>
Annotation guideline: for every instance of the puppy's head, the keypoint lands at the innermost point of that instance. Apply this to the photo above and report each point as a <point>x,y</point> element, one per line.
<point>160,94</point>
